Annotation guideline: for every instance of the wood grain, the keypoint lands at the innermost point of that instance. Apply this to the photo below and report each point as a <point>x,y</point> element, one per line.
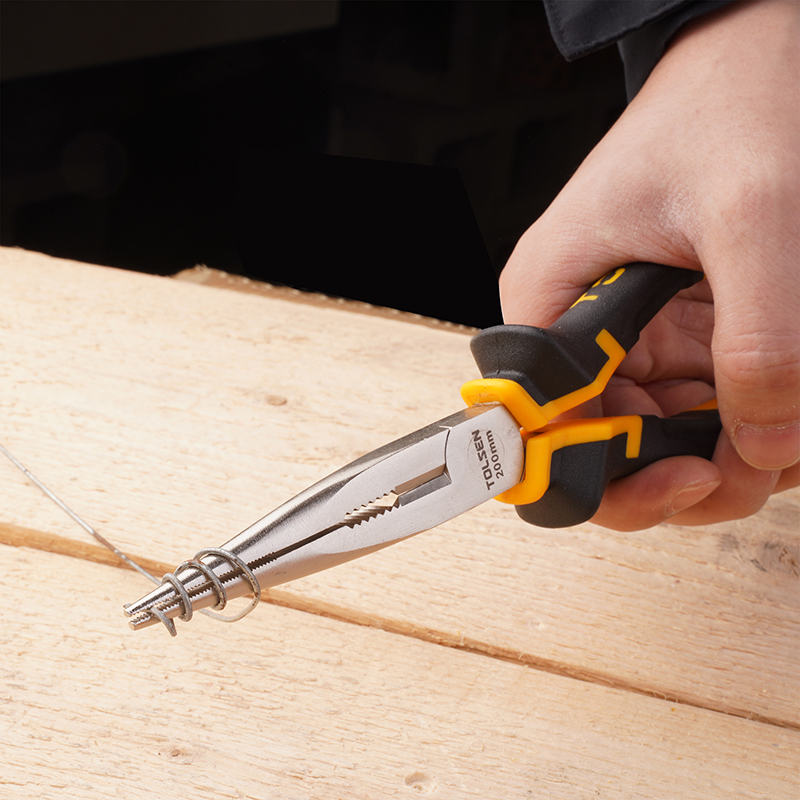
<point>172,415</point>
<point>292,706</point>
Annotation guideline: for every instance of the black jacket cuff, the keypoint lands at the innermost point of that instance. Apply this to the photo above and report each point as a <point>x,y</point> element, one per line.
<point>641,27</point>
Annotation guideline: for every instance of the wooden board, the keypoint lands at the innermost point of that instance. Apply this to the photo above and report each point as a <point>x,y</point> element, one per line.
<point>295,706</point>
<point>172,415</point>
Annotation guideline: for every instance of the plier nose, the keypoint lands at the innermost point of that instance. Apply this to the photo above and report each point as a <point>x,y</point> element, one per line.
<point>396,491</point>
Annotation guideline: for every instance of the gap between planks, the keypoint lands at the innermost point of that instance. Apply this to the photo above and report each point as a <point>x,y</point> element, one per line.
<point>18,536</point>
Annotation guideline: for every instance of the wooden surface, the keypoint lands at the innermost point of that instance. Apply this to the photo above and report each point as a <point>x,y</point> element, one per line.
<point>486,658</point>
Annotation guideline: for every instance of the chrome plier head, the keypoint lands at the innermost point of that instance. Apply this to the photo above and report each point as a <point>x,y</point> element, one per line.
<point>396,491</point>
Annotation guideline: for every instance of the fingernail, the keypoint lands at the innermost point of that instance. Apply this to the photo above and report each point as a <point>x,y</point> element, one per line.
<point>763,447</point>
<point>689,496</point>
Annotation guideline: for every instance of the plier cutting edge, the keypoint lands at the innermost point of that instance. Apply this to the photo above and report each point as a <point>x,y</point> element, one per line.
<point>504,445</point>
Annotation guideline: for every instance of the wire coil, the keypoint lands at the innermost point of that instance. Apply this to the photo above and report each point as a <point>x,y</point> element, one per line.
<point>185,602</point>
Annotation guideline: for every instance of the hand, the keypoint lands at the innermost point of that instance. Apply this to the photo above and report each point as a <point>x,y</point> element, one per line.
<point>701,171</point>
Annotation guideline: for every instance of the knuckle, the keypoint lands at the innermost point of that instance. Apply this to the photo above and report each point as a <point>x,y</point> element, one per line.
<point>767,361</point>
<point>759,201</point>
<point>769,364</point>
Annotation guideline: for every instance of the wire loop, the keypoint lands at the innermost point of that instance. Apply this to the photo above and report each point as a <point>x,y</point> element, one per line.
<point>212,578</point>
<point>186,610</point>
<point>247,573</point>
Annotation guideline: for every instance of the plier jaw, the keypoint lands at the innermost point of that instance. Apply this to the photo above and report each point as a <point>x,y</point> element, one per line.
<point>396,491</point>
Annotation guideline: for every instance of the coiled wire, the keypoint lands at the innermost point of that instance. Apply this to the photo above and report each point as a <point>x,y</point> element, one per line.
<point>187,611</point>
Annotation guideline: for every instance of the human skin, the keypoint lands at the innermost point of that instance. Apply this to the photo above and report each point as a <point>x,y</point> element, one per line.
<point>701,171</point>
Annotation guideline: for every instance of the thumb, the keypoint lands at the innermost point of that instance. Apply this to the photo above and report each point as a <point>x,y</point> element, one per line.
<point>756,352</point>
<point>562,254</point>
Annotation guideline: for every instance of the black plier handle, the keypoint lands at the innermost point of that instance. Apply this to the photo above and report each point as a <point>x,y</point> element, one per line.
<point>539,374</point>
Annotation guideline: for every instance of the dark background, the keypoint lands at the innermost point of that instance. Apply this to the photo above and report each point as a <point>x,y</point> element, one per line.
<point>388,151</point>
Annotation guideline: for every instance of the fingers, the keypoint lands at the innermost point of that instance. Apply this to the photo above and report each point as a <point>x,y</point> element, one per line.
<point>753,271</point>
<point>656,493</point>
<point>788,479</point>
<point>585,233</point>
<point>687,491</point>
<point>742,491</point>
<point>661,398</point>
<point>750,244</point>
<point>756,353</point>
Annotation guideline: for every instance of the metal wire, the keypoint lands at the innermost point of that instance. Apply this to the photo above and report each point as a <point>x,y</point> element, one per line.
<point>247,573</point>
<point>82,522</point>
<point>171,578</point>
<point>187,612</point>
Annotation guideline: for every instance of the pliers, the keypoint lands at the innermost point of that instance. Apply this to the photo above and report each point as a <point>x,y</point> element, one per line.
<point>504,445</point>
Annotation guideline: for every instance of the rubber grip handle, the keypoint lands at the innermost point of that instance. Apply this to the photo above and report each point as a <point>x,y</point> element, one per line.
<point>580,473</point>
<point>550,364</point>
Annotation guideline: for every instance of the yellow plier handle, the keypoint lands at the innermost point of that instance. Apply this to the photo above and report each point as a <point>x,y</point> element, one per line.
<point>539,374</point>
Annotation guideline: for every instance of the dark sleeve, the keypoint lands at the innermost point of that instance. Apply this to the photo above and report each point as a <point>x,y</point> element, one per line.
<point>641,28</point>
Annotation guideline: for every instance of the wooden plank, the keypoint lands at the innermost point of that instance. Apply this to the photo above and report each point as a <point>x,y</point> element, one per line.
<point>173,415</point>
<point>206,276</point>
<point>293,706</point>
